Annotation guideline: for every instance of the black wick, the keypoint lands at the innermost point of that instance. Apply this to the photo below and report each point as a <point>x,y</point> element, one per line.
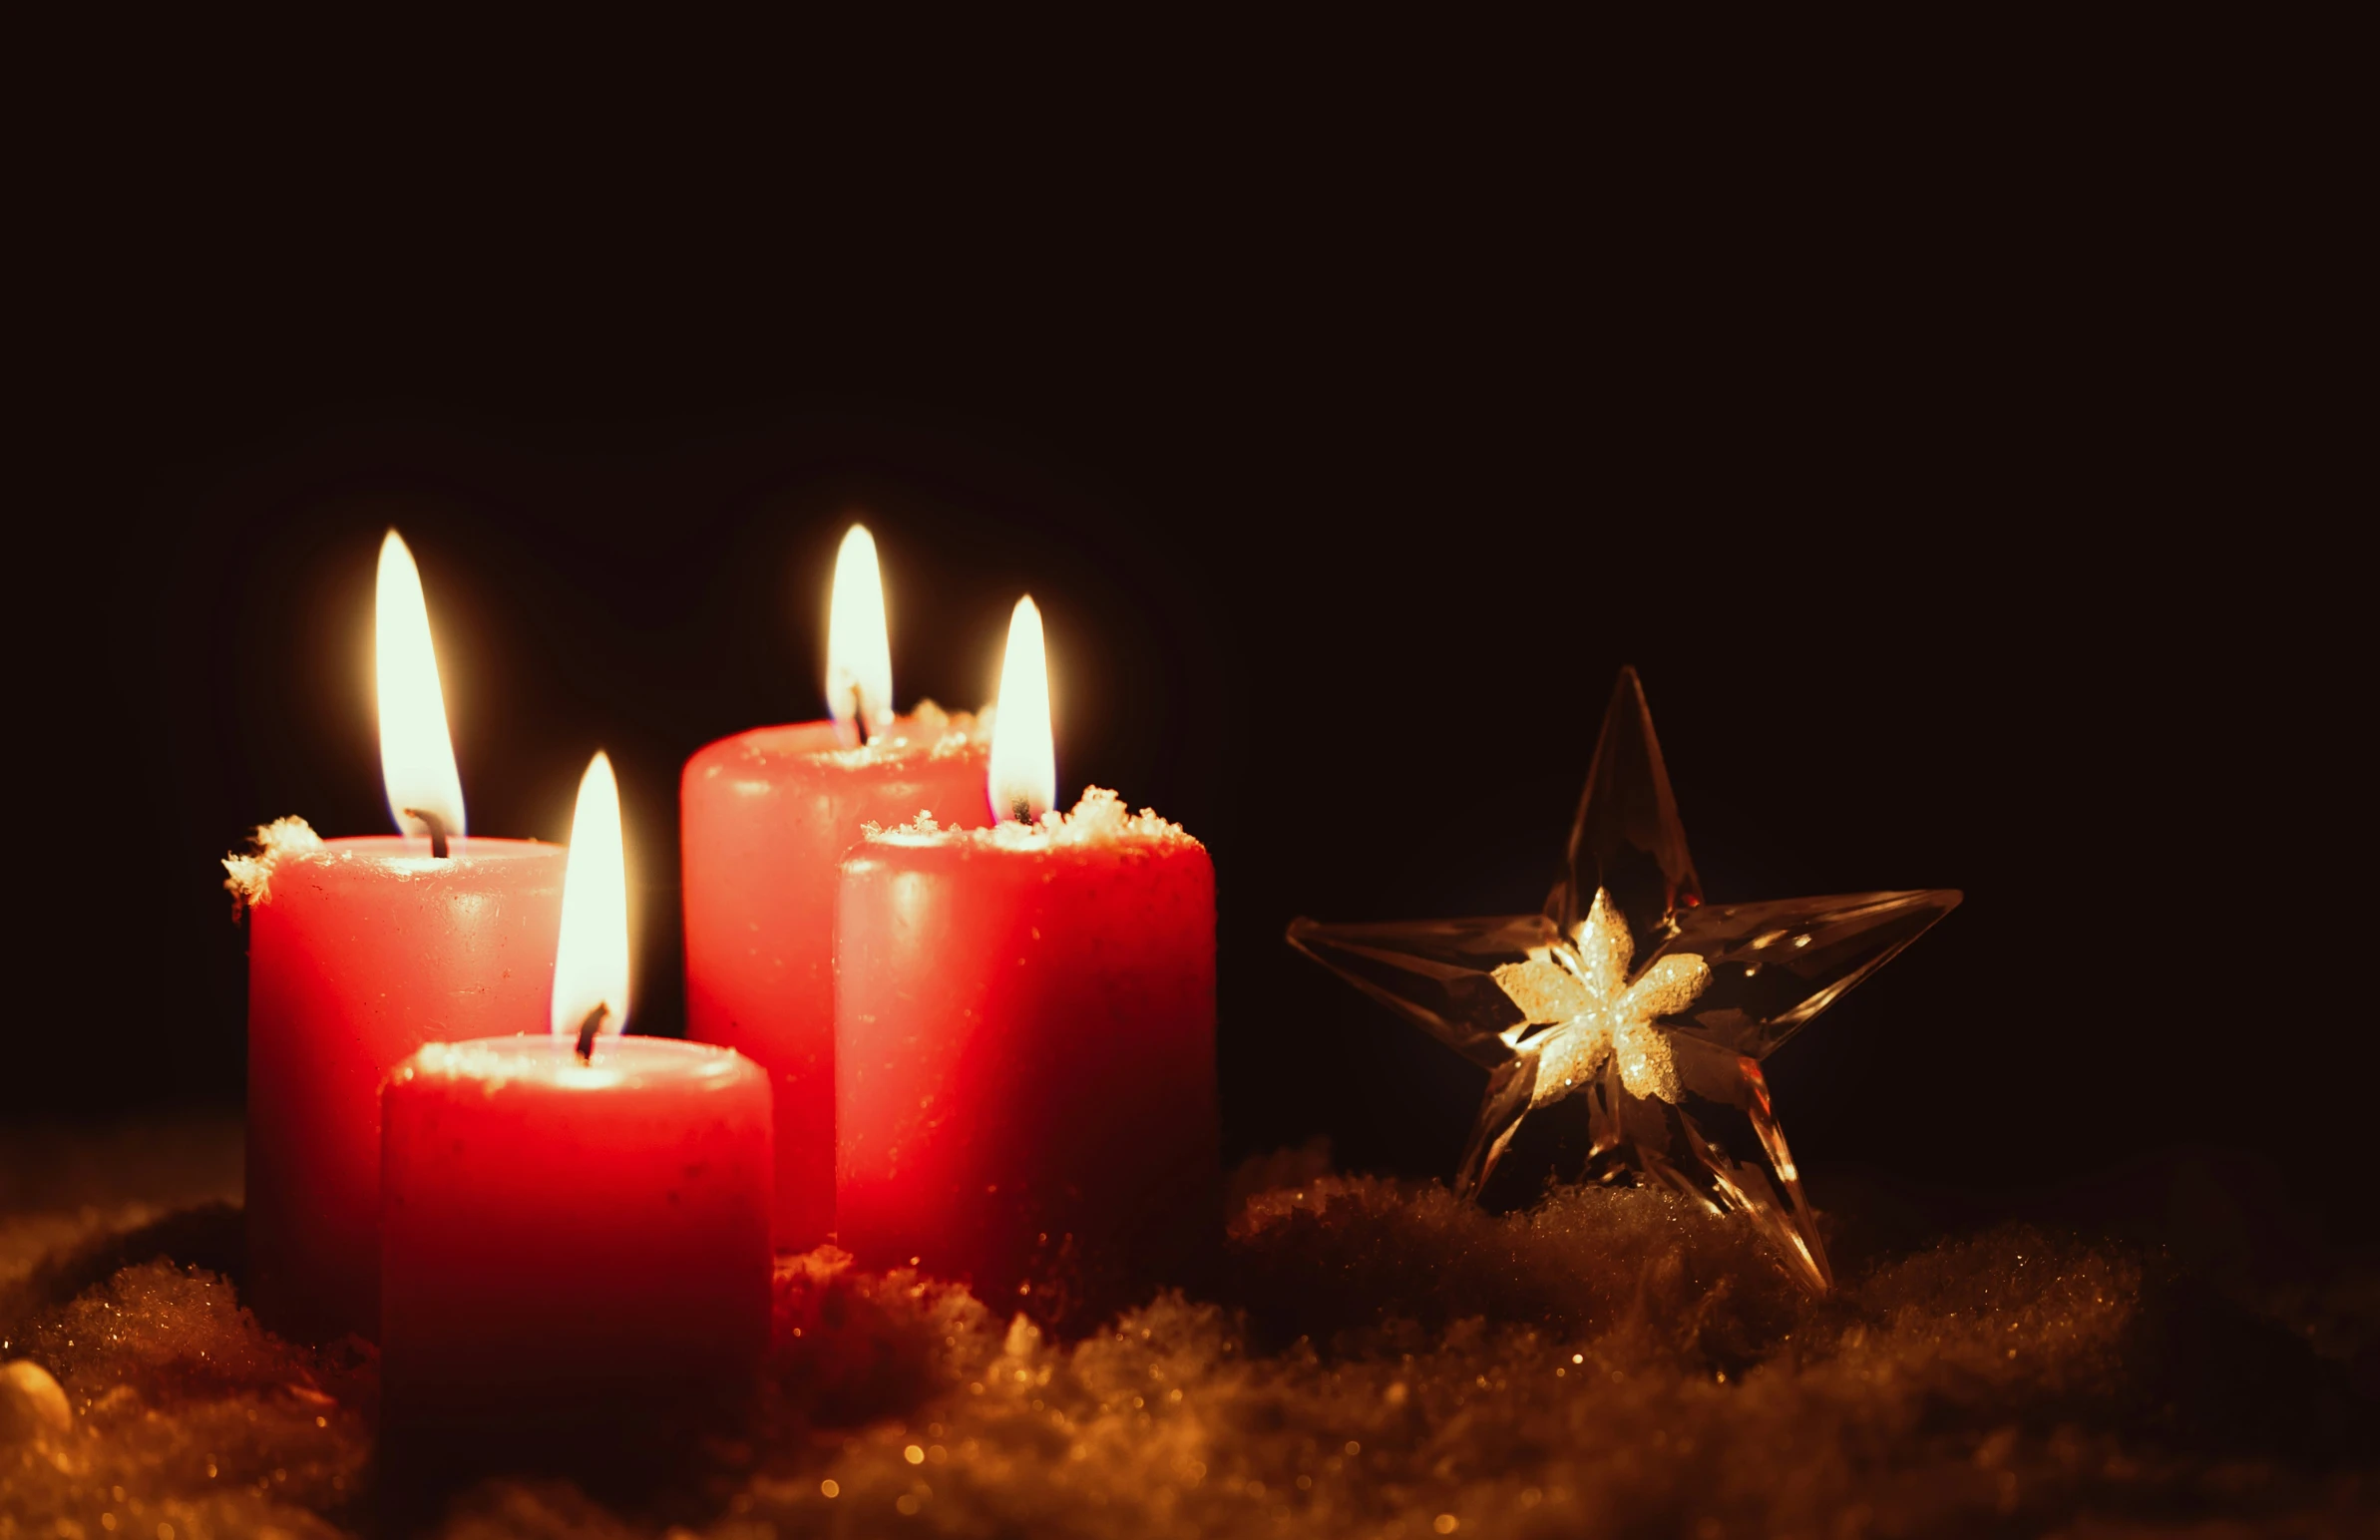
<point>859,719</point>
<point>587,1032</point>
<point>1021,811</point>
<point>437,831</point>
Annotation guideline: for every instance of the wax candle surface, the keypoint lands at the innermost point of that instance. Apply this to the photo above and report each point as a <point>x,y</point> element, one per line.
<point>767,816</point>
<point>360,952</point>
<point>1025,1058</point>
<point>577,1254</point>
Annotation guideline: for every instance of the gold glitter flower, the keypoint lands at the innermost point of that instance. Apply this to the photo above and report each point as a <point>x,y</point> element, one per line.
<point>1579,987</point>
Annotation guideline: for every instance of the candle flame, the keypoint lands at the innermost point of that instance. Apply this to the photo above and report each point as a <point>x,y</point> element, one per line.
<point>858,648</point>
<point>417,756</point>
<point>1024,754</point>
<point>591,966</point>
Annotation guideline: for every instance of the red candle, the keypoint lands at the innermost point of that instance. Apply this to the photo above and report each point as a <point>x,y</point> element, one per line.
<point>576,1258</point>
<point>767,815</point>
<point>359,951</point>
<point>1025,1041</point>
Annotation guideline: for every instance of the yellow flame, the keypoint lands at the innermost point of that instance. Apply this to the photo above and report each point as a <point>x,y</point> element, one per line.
<point>417,757</point>
<point>591,966</point>
<point>858,648</point>
<point>1024,753</point>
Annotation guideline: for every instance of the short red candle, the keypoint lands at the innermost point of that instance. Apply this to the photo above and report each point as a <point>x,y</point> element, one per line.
<point>1025,1058</point>
<point>766,817</point>
<point>576,1254</point>
<point>360,952</point>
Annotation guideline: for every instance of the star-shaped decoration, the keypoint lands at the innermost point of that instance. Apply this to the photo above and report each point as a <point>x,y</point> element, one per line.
<point>1666,1055</point>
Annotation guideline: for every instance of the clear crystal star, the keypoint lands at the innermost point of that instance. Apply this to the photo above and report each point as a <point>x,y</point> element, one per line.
<point>1667,1056</point>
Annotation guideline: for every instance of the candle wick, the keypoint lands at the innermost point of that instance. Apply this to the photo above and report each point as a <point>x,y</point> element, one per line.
<point>587,1032</point>
<point>437,831</point>
<point>856,730</point>
<point>1021,811</point>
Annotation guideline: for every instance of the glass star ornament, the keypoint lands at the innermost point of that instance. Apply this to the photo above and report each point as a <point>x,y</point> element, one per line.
<point>1630,992</point>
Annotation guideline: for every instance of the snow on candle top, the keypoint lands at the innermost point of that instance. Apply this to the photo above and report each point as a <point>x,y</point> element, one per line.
<point>928,729</point>
<point>417,756</point>
<point>859,646</point>
<point>591,964</point>
<point>1099,819</point>
<point>248,872</point>
<point>1023,780</point>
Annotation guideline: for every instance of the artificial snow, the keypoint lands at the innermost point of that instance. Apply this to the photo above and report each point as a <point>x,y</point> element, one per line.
<point>248,873</point>
<point>1384,1361</point>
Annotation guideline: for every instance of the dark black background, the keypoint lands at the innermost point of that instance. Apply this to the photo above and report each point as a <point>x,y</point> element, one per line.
<point>1971,495</point>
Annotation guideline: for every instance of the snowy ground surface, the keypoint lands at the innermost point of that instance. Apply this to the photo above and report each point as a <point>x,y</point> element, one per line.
<point>1385,1363</point>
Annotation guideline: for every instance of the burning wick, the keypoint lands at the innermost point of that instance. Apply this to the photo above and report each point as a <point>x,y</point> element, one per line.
<point>1021,811</point>
<point>437,831</point>
<point>859,717</point>
<point>587,1032</point>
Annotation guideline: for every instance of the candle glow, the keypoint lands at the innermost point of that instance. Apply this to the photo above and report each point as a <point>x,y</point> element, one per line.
<point>417,756</point>
<point>858,648</point>
<point>591,964</point>
<point>1023,778</point>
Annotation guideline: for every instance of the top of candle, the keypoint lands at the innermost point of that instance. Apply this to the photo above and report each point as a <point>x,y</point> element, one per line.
<point>927,733</point>
<point>1099,819</point>
<point>250,874</point>
<point>928,729</point>
<point>496,1062</point>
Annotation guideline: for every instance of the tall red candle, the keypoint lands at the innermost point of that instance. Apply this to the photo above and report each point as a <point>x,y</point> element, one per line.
<point>766,816</point>
<point>576,1261</point>
<point>359,951</point>
<point>1025,1050</point>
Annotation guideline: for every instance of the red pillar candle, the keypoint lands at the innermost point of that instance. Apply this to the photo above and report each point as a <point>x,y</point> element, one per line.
<point>576,1258</point>
<point>1024,1048</point>
<point>577,1253</point>
<point>766,817</point>
<point>359,951</point>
